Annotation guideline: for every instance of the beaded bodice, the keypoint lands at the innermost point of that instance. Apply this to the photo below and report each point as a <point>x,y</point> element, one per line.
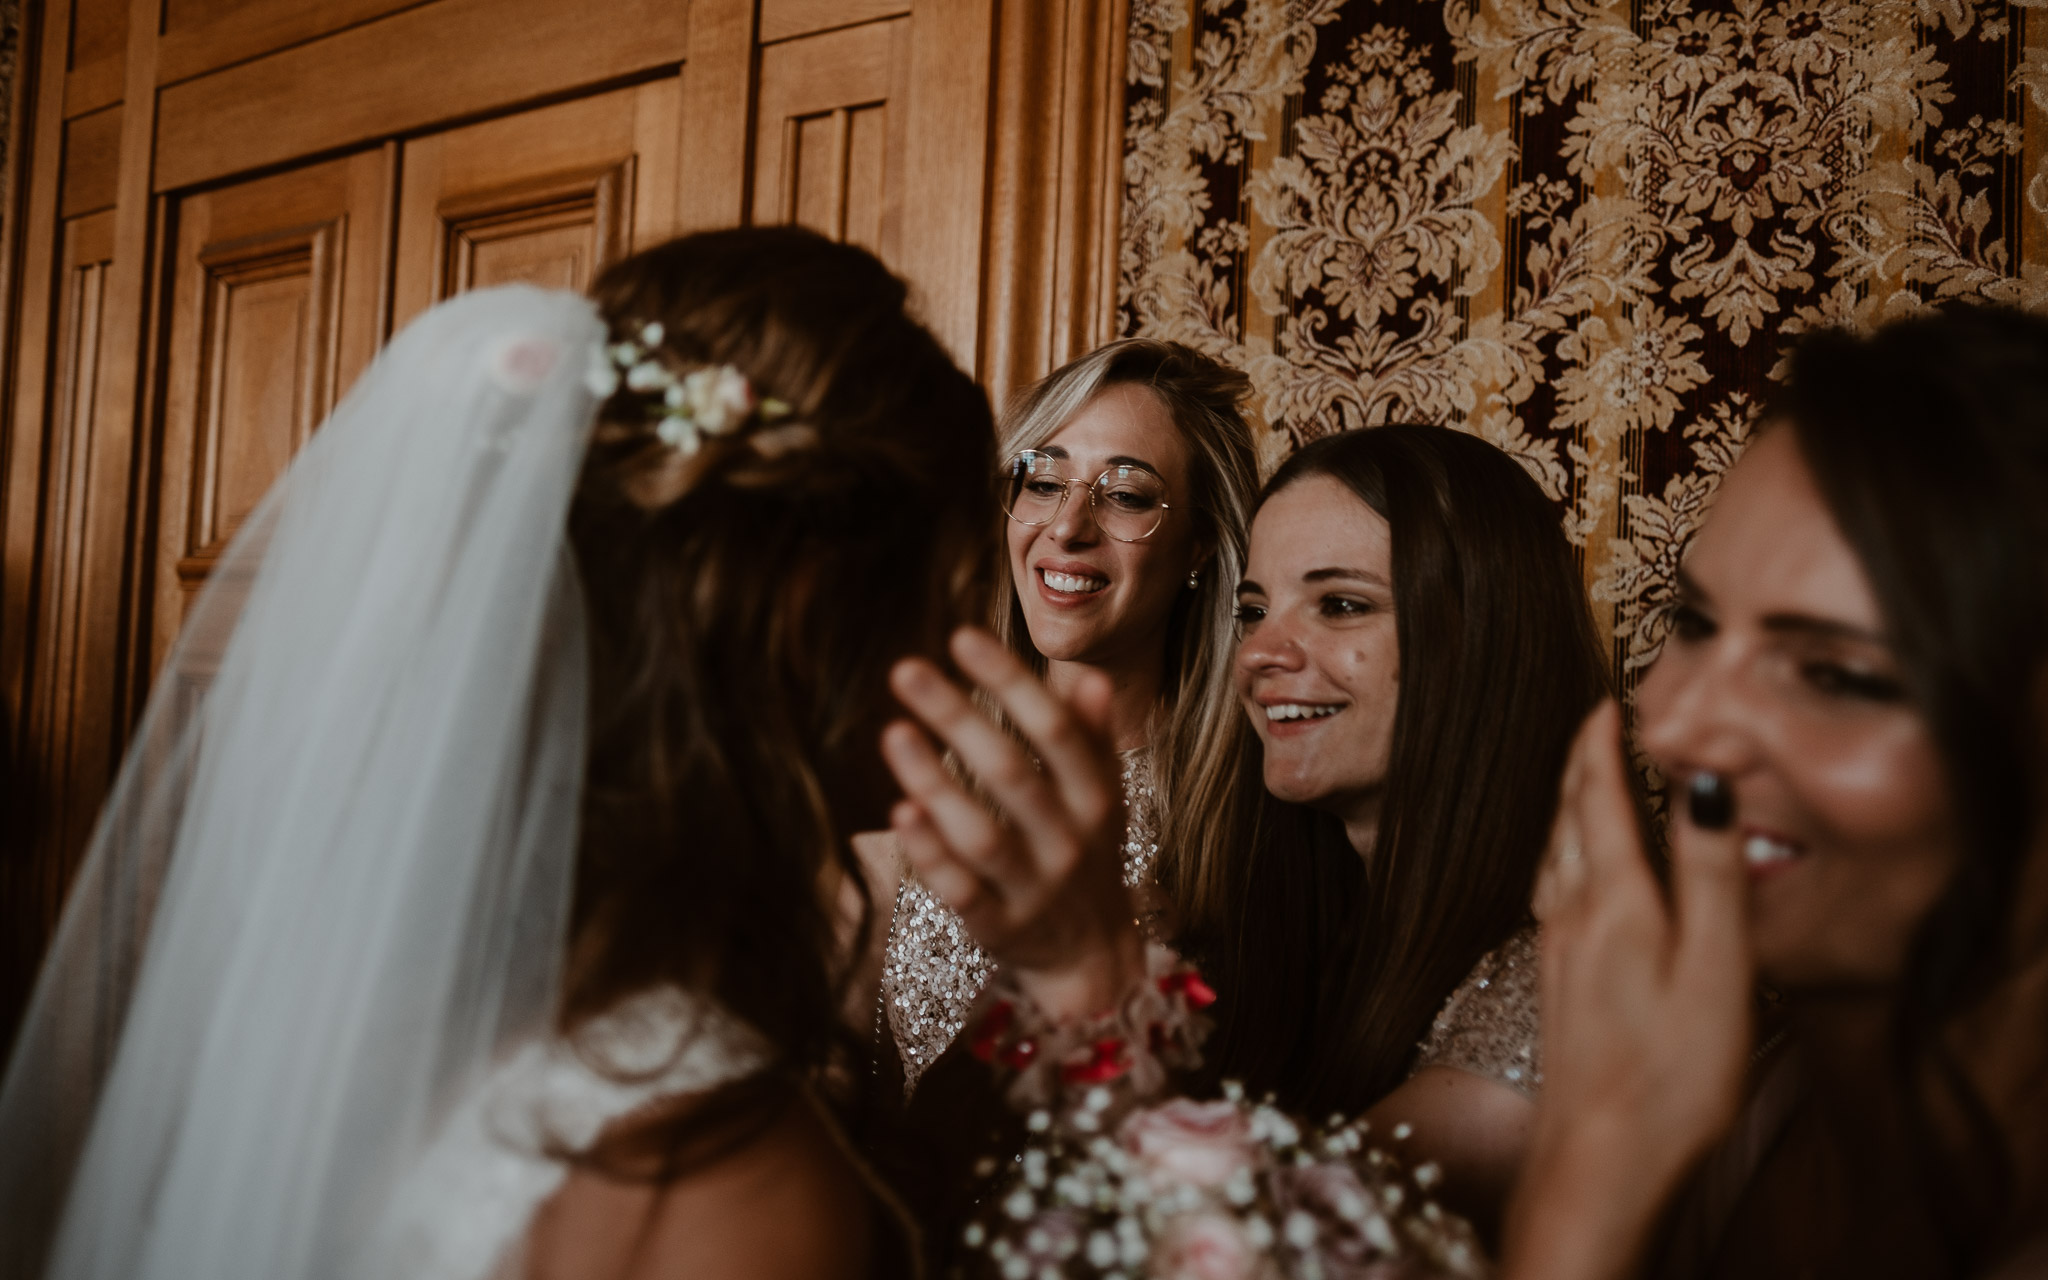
<point>1490,1026</point>
<point>932,969</point>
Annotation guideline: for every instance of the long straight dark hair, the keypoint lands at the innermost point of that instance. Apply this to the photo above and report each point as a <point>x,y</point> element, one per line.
<point>1333,967</point>
<point>1929,443</point>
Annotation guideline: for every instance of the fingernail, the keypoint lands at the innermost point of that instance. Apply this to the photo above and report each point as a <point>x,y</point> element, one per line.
<point>912,676</point>
<point>968,641</point>
<point>1710,802</point>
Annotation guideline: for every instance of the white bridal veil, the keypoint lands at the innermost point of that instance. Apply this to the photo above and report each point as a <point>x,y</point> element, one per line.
<point>331,882</point>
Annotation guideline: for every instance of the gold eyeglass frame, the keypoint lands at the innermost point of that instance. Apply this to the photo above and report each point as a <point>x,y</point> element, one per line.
<point>1093,487</point>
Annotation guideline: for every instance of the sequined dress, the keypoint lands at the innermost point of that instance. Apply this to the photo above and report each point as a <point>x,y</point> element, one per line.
<point>932,970</point>
<point>1490,1024</point>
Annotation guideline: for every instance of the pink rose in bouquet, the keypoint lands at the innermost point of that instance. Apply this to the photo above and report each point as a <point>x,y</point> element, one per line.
<point>1208,1246</point>
<point>1199,1144</point>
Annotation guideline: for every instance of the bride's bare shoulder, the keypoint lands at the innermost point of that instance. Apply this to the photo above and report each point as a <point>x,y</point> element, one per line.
<point>785,1204</point>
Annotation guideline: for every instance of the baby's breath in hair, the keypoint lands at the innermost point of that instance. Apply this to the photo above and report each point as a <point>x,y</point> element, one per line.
<point>708,400</point>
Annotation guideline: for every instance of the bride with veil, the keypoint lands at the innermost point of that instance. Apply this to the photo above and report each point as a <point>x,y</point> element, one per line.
<point>475,917</point>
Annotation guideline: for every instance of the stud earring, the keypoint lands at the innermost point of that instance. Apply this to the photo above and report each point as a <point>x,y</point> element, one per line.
<point>1194,578</point>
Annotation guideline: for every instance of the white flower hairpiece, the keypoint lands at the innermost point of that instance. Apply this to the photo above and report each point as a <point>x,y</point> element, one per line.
<point>712,400</point>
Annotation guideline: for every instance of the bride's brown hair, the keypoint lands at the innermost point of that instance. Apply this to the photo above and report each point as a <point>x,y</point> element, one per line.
<point>743,620</point>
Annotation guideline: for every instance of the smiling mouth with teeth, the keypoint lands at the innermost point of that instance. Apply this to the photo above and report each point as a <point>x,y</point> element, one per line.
<point>1302,710</point>
<point>1072,584</point>
<point>1762,852</point>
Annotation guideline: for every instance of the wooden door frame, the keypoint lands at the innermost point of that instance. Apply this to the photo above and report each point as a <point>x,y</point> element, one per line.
<point>1056,189</point>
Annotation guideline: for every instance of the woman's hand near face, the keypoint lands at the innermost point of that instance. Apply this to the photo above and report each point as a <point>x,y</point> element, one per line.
<point>1040,882</point>
<point>1646,1022</point>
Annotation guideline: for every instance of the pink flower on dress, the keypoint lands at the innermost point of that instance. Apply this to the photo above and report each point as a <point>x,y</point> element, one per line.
<point>1199,1144</point>
<point>1207,1246</point>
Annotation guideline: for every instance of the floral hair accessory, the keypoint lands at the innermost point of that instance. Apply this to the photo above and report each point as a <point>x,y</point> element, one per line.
<point>713,400</point>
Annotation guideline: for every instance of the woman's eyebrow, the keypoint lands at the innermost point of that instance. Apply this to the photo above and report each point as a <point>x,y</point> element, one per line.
<point>1822,628</point>
<point>1250,588</point>
<point>1348,575</point>
<point>1786,622</point>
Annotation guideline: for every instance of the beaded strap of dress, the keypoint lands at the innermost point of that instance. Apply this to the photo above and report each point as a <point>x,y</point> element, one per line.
<point>932,969</point>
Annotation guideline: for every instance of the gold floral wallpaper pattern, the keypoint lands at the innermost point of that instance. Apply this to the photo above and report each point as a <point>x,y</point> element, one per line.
<point>1582,230</point>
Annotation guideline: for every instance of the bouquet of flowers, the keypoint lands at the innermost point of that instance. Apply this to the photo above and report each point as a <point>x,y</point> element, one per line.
<point>1222,1190</point>
<point>1116,1185</point>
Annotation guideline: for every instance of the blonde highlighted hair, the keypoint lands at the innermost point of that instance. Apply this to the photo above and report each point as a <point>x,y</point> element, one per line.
<point>1194,740</point>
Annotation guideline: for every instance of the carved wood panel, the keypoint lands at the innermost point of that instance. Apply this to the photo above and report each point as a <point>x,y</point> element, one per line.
<point>86,255</point>
<point>92,156</point>
<point>828,132</point>
<point>554,233</point>
<point>32,889</point>
<point>547,196</point>
<point>275,306</point>
<point>266,375</point>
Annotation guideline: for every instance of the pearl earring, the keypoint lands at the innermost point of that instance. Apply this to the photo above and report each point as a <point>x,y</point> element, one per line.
<point>1194,578</point>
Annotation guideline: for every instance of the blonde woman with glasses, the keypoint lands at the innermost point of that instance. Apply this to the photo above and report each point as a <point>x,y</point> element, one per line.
<point>1126,481</point>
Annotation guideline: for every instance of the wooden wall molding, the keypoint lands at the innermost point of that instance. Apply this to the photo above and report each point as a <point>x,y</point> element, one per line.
<point>829,129</point>
<point>787,19</point>
<point>1014,254</point>
<point>196,41</point>
<point>945,202</point>
<point>31,426</point>
<point>310,254</point>
<point>92,163</point>
<point>395,76</point>
<point>1055,189</point>
<point>85,259</point>
<point>94,87</point>
<point>601,199</point>
<point>717,148</point>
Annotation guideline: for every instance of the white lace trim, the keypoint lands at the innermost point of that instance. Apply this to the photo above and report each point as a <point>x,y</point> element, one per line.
<point>464,1208</point>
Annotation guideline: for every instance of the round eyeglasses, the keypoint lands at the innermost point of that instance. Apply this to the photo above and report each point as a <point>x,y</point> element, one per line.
<point>1127,501</point>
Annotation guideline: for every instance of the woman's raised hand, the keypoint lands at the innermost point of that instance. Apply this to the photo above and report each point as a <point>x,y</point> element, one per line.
<point>1039,881</point>
<point>1647,1020</point>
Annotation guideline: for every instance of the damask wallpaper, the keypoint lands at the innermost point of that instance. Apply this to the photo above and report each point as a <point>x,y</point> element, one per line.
<point>1583,230</point>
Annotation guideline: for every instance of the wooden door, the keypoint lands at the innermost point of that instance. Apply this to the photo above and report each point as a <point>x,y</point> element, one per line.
<point>829,130</point>
<point>276,305</point>
<point>547,196</point>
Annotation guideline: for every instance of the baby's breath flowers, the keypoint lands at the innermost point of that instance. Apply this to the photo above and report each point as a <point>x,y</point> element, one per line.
<point>712,400</point>
<point>1224,1190</point>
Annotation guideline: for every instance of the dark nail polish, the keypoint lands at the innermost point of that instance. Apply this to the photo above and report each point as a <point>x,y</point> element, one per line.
<point>1710,802</point>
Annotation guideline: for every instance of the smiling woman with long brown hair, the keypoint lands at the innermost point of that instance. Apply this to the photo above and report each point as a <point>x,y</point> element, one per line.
<point>1416,649</point>
<point>1853,695</point>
